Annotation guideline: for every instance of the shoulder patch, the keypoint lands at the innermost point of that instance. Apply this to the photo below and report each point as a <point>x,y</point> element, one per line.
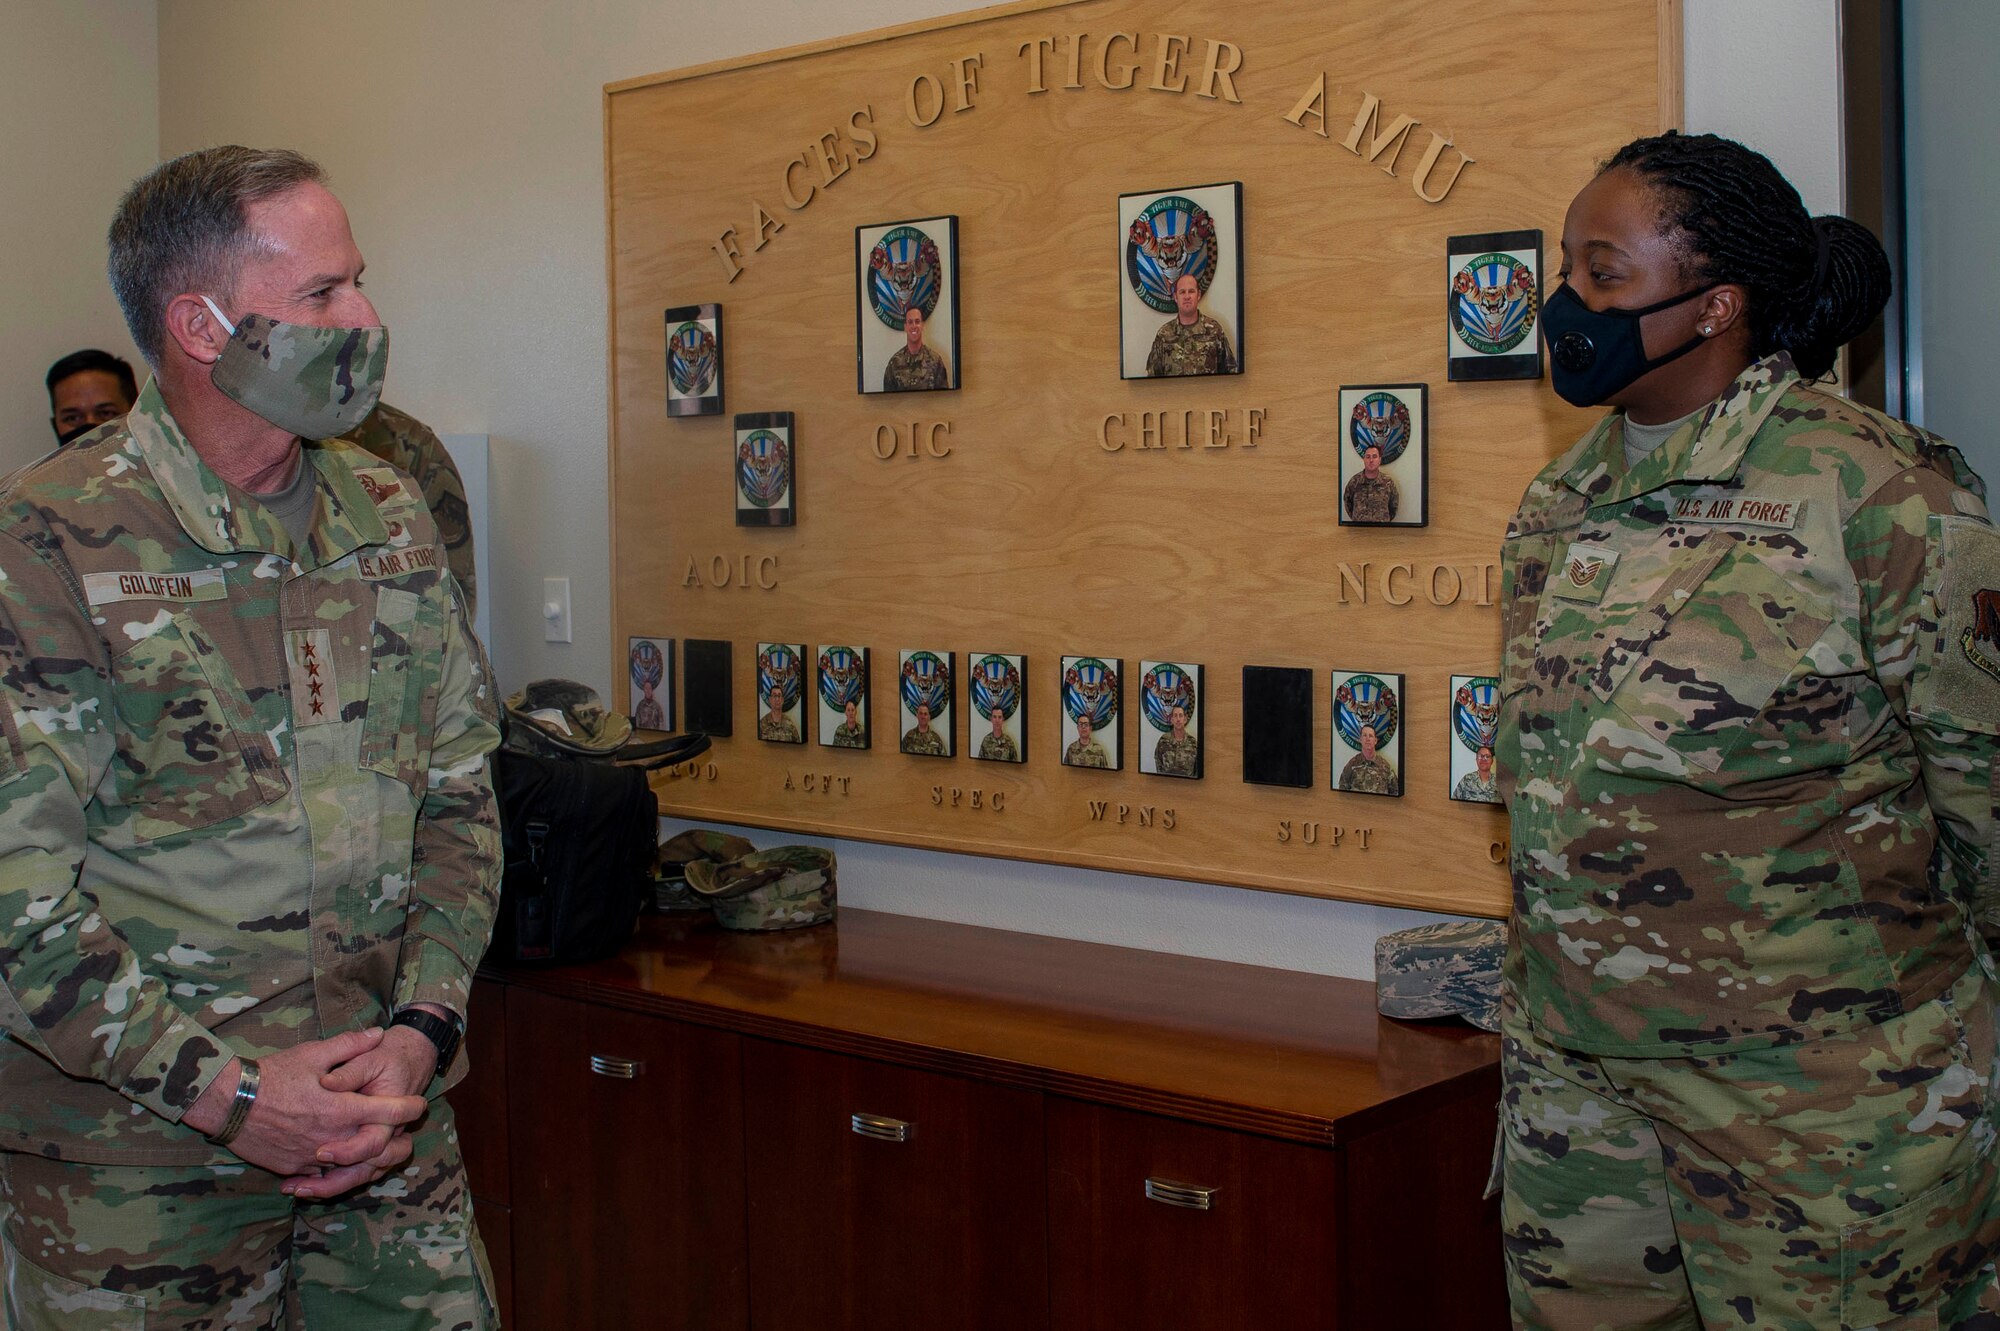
<point>1959,673</point>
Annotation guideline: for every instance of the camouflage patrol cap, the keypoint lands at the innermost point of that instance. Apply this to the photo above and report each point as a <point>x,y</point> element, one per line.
<point>701,843</point>
<point>1441,970</point>
<point>563,717</point>
<point>787,887</point>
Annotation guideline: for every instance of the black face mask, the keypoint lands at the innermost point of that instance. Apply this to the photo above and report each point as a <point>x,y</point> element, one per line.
<point>74,432</point>
<point>1595,354</point>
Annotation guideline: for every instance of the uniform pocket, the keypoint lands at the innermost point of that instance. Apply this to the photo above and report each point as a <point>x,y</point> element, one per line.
<point>403,669</point>
<point>1894,1266</point>
<point>38,1300</point>
<point>1695,666</point>
<point>182,761</point>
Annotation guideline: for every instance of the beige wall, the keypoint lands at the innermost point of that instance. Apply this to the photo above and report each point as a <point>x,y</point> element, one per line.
<point>466,138</point>
<point>79,118</point>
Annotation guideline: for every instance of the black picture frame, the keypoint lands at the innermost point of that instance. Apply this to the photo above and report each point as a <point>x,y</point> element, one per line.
<point>651,700</point>
<point>762,499</point>
<point>1411,463</point>
<point>833,678</point>
<point>706,665</point>
<point>1157,690</point>
<point>942,720</point>
<point>1082,688</point>
<point>979,690</point>
<point>1136,295</point>
<point>1477,296</point>
<point>1278,726</point>
<point>1356,705</point>
<point>876,344</point>
<point>681,358</point>
<point>1461,756</point>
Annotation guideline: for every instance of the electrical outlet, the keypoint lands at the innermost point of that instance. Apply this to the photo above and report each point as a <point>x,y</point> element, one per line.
<point>555,610</point>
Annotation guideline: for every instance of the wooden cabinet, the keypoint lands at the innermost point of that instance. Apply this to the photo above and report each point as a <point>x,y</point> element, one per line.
<point>898,1123</point>
<point>888,1199</point>
<point>627,1174</point>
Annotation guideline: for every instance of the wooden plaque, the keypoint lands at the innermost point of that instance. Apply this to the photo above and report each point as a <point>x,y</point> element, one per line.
<point>1045,507</point>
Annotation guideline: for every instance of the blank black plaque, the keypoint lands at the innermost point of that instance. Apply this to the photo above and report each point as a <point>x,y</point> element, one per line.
<point>705,669</point>
<point>1277,726</point>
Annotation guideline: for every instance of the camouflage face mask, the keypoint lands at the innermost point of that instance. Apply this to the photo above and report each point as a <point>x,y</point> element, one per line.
<point>318,383</point>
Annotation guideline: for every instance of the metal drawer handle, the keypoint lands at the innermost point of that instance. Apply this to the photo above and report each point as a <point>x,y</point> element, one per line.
<point>1180,1194</point>
<point>881,1129</point>
<point>625,1069</point>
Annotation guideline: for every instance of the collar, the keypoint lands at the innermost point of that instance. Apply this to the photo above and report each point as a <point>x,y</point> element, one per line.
<point>1708,448</point>
<point>223,519</point>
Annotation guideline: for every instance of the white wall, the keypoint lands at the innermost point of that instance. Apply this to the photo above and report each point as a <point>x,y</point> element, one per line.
<point>466,138</point>
<point>79,119</point>
<point>1949,48</point>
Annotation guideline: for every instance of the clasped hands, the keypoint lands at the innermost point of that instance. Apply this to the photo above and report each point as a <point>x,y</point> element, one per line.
<point>332,1115</point>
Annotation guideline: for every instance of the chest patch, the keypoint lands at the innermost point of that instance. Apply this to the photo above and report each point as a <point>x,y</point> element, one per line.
<point>380,483</point>
<point>1714,507</point>
<point>1584,573</point>
<point>1981,639</point>
<point>315,693</point>
<point>201,585</point>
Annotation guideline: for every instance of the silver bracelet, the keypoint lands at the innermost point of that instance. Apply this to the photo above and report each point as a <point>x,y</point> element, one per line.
<point>248,1079</point>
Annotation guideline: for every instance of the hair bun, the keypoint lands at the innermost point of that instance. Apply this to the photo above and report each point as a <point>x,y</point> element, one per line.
<point>1849,286</point>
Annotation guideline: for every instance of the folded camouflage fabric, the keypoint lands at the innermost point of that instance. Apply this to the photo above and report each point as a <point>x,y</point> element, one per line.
<point>787,887</point>
<point>1441,970</point>
<point>699,843</point>
<point>560,718</point>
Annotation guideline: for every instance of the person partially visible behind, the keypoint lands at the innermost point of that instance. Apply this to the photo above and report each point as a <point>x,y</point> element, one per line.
<point>87,389</point>
<point>1748,730</point>
<point>405,442</point>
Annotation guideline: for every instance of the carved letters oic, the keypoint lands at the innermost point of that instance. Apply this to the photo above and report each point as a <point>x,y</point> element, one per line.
<point>1155,62</point>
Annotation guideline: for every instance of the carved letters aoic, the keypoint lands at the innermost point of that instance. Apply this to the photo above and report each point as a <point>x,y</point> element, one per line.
<point>1163,62</point>
<point>742,573</point>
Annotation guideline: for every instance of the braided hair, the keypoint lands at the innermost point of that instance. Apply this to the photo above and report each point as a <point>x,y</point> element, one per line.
<point>1813,282</point>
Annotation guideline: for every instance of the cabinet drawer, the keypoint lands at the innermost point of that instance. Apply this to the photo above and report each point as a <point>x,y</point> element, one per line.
<point>890,1199</point>
<point>1154,1222</point>
<point>627,1169</point>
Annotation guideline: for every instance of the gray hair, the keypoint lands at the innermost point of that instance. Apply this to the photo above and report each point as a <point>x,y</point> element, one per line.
<point>184,227</point>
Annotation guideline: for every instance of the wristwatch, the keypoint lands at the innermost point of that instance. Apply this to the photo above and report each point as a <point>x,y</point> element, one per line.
<point>440,1031</point>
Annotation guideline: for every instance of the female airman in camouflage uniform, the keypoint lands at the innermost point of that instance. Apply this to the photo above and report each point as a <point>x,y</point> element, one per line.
<point>1748,747</point>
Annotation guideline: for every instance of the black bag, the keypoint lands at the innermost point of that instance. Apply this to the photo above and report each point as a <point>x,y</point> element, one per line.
<point>581,839</point>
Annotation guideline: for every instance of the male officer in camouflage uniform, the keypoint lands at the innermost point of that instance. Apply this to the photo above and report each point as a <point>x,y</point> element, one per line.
<point>1751,769</point>
<point>915,366</point>
<point>850,733</point>
<point>248,849</point>
<point>1085,750</point>
<point>1191,342</point>
<point>1177,752</point>
<point>410,446</point>
<point>1371,496</point>
<point>774,725</point>
<point>1368,772</point>
<point>920,738</point>
<point>999,746</point>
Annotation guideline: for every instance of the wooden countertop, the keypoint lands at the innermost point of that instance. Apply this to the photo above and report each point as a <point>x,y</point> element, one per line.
<point>1285,1054</point>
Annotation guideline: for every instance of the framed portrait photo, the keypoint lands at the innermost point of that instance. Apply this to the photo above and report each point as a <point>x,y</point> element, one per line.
<point>906,305</point>
<point>1368,732</point>
<point>843,697</point>
<point>1180,281</point>
<point>650,670</point>
<point>1278,726</point>
<point>1475,725</point>
<point>767,470</point>
<point>1092,697</point>
<point>996,717</point>
<point>781,692</point>
<point>1384,455</point>
<point>1493,306</point>
<point>1170,715</point>
<point>923,701</point>
<point>694,360</point>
